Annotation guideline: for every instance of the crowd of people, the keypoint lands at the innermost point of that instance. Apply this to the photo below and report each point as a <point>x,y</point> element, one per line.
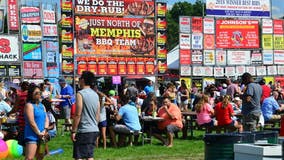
<point>100,113</point>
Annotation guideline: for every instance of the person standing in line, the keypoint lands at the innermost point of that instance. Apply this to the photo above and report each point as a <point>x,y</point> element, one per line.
<point>67,94</point>
<point>36,123</point>
<point>85,128</point>
<point>149,87</point>
<point>251,109</point>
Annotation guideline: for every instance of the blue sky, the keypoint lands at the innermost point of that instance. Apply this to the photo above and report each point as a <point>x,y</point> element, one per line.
<point>277,6</point>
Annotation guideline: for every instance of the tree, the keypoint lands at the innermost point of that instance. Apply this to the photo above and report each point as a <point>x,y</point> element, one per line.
<point>180,9</point>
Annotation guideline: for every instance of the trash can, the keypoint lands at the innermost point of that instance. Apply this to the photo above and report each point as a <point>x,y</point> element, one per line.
<point>220,146</point>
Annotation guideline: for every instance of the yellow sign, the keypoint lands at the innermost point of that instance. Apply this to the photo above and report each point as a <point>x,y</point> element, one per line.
<point>188,82</point>
<point>268,79</point>
<point>279,42</point>
<point>267,41</point>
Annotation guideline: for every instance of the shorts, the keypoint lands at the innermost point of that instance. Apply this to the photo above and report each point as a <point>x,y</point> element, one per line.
<point>67,112</point>
<point>209,124</point>
<point>120,128</point>
<point>172,128</point>
<point>84,145</point>
<point>185,102</point>
<point>103,124</point>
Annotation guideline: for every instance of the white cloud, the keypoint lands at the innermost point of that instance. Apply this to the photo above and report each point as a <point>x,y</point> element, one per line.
<point>275,9</point>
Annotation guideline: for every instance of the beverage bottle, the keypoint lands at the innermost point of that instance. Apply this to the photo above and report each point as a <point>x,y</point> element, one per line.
<point>154,114</point>
<point>58,151</point>
<point>139,111</point>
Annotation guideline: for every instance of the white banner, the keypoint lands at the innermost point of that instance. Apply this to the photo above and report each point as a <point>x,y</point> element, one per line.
<point>184,41</point>
<point>267,26</point>
<point>209,57</point>
<point>278,56</point>
<point>208,25</point>
<point>239,8</point>
<point>271,70</point>
<point>208,71</point>
<point>218,71</point>
<point>280,70</point>
<point>49,16</point>
<point>197,41</point>
<point>9,48</point>
<point>261,70</point>
<point>31,33</point>
<point>185,70</point>
<point>230,71</point>
<point>221,57</point>
<point>238,57</point>
<point>240,70</point>
<point>184,24</point>
<point>267,56</point>
<point>197,71</point>
<point>50,30</point>
<point>251,70</point>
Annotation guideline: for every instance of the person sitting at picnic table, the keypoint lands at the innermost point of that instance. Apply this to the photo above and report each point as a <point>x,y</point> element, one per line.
<point>128,113</point>
<point>172,122</point>
<point>270,106</point>
<point>4,107</point>
<point>224,112</point>
<point>205,112</point>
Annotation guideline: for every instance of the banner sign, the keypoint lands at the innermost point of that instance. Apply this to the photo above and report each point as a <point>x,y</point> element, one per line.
<point>9,48</point>
<point>115,7</point>
<point>197,71</point>
<point>32,51</point>
<point>271,70</point>
<point>50,30</point>
<point>278,42</point>
<point>196,57</point>
<point>197,24</point>
<point>240,70</point>
<point>116,36</point>
<point>280,71</point>
<point>116,79</point>
<point>256,57</point>
<point>3,71</point>
<point>30,15</point>
<point>209,26</point>
<point>238,8</point>
<point>208,71</point>
<point>184,24</point>
<point>267,56</point>
<point>162,51</point>
<point>33,69</point>
<point>49,16</point>
<point>184,41</point>
<point>66,5</point>
<point>185,57</point>
<point>237,34</point>
<point>230,71</point>
<point>51,65</point>
<point>267,41</point>
<point>251,70</point>
<point>209,41</point>
<point>209,57</point>
<point>67,51</point>
<point>238,57</point>
<point>161,23</point>
<point>221,57</point>
<point>2,20</point>
<point>278,26</point>
<point>267,26</point>
<point>218,71</point>
<point>31,33</point>
<point>185,70</point>
<point>66,20</point>
<point>261,70</point>
<point>14,70</point>
<point>278,56</point>
<point>13,15</point>
<point>197,41</point>
<point>67,66</point>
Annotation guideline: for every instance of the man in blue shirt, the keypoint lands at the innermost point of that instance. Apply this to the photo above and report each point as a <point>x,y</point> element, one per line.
<point>149,88</point>
<point>67,95</point>
<point>129,114</point>
<point>270,106</point>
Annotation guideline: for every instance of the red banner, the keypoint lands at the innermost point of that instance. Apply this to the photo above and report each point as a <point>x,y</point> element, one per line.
<point>115,36</point>
<point>122,66</point>
<point>185,57</point>
<point>30,15</point>
<point>237,34</point>
<point>115,8</point>
<point>278,26</point>
<point>13,16</point>
<point>131,66</point>
<point>150,66</point>
<point>197,24</point>
<point>209,41</point>
<point>92,65</point>
<point>33,69</point>
<point>112,66</point>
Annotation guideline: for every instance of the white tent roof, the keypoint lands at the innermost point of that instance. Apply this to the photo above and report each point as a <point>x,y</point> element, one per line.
<point>173,58</point>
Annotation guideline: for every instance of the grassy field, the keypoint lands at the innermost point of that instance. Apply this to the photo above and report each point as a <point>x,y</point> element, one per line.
<point>184,149</point>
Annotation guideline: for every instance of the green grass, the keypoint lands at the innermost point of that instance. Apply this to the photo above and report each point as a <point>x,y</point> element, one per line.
<point>184,149</point>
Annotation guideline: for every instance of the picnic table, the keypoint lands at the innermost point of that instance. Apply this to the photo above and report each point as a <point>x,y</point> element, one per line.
<point>190,118</point>
<point>149,122</point>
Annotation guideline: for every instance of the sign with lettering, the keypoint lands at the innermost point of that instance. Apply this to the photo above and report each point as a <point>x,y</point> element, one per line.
<point>33,69</point>
<point>9,48</point>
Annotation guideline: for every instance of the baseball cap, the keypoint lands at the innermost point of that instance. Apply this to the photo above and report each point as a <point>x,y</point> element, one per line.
<point>61,80</point>
<point>111,92</point>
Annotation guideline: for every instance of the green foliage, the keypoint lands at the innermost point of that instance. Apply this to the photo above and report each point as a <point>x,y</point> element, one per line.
<point>180,9</point>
